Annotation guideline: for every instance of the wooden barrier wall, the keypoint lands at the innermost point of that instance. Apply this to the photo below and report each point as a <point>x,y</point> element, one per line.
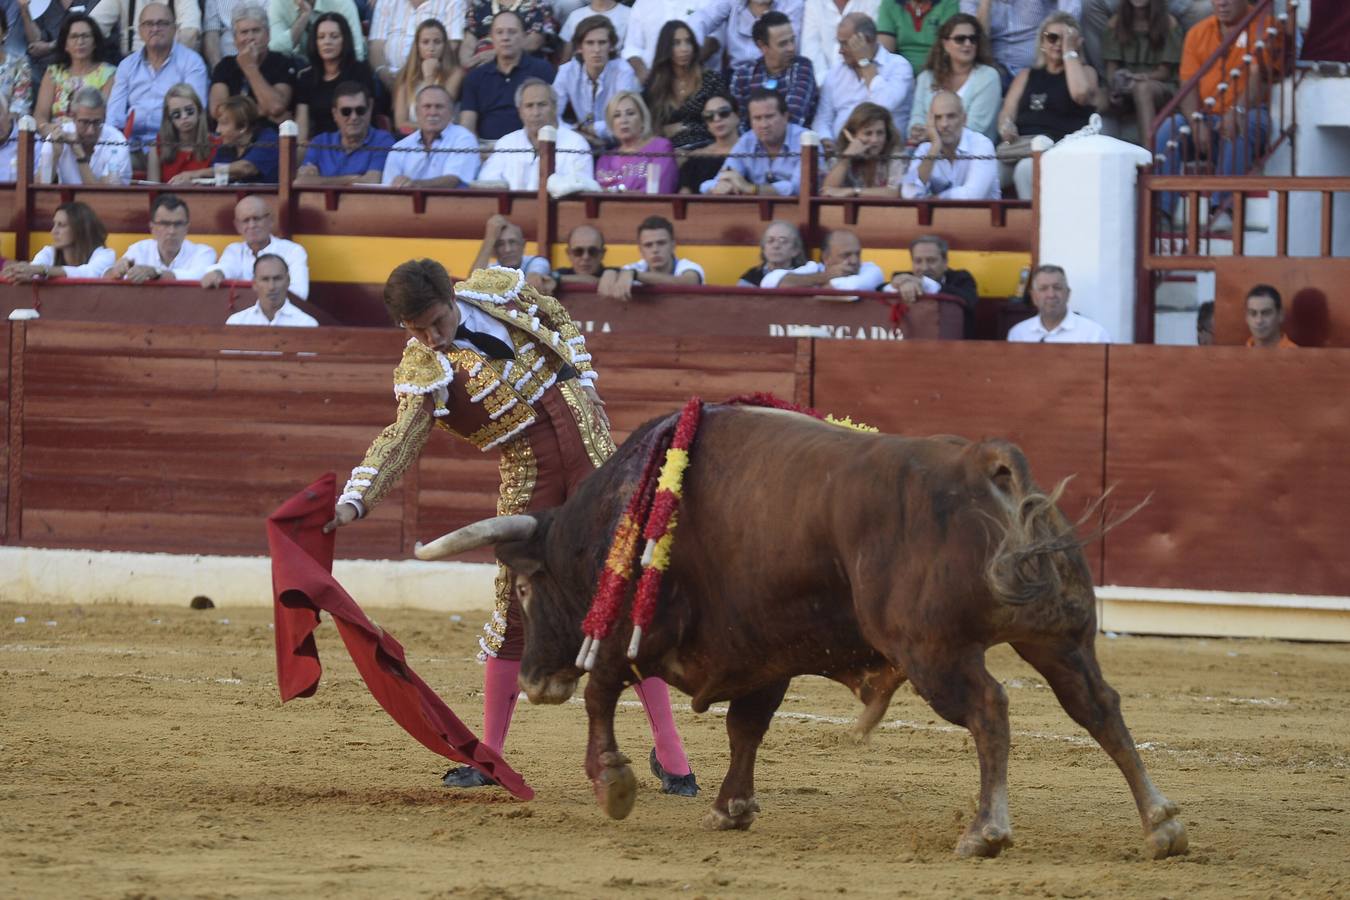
<point>182,439</point>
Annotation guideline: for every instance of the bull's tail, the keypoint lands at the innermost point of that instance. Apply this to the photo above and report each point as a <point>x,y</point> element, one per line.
<point>1035,547</point>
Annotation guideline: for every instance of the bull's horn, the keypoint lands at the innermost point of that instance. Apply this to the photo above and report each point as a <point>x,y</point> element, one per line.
<point>479,534</point>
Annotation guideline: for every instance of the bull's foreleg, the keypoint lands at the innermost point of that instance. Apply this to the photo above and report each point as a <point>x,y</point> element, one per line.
<point>1073,674</point>
<point>959,688</point>
<point>748,719</point>
<point>612,778</point>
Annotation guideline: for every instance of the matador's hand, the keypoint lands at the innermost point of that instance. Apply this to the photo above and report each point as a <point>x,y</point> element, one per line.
<point>345,514</point>
<point>599,405</point>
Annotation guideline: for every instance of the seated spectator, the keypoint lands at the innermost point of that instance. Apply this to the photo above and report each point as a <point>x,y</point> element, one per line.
<point>9,144</point>
<point>16,74</point>
<point>724,124</point>
<point>930,275</point>
<point>355,153</point>
<point>954,163</point>
<point>331,62</point>
<point>1141,50</point>
<point>1204,324</point>
<point>586,83</point>
<point>731,24</point>
<point>92,152</point>
<point>146,76</point>
<point>393,32</point>
<point>184,146</point>
<point>288,24</point>
<point>616,12</point>
<point>1054,322</point>
<point>1054,97</point>
<point>960,62</point>
<point>818,40</point>
<point>648,19</point>
<point>168,254</point>
<point>431,60</point>
<point>255,70</point>
<point>1265,318</point>
<point>1097,13</point>
<point>35,33</point>
<point>183,24</point>
<point>780,248</point>
<point>1017,30</point>
<point>539,30</point>
<point>840,268</point>
<point>866,73</point>
<point>217,35</point>
<point>641,163</point>
<point>246,144</point>
<point>777,68</point>
<point>679,87</point>
<point>660,264</point>
<point>1231,133</point>
<point>866,162</point>
<point>768,158</point>
<point>488,109</point>
<point>253,221</point>
<point>439,153</point>
<point>76,250</point>
<point>911,27</point>
<point>537,106</point>
<point>271,280</point>
<point>504,245</point>
<point>586,250</point>
<point>78,63</point>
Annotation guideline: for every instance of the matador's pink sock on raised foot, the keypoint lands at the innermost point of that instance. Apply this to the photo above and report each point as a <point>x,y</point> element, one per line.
<point>500,691</point>
<point>655,697</point>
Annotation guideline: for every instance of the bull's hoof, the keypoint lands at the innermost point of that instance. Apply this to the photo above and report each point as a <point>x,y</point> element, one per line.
<point>1166,835</point>
<point>616,785</point>
<point>988,841</point>
<point>738,816</point>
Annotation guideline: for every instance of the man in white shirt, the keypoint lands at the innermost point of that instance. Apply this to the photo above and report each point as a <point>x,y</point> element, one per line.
<point>840,267</point>
<point>96,152</point>
<point>730,23</point>
<point>820,28</point>
<point>537,105</point>
<point>505,241</point>
<point>253,220</point>
<point>1054,324</point>
<point>439,153</point>
<point>271,279</point>
<point>866,71</point>
<point>168,255</point>
<point>644,27</point>
<point>659,263</point>
<point>955,163</point>
<point>394,27</point>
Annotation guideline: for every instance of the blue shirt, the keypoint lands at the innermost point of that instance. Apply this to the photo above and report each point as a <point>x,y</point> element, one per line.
<point>492,95</point>
<point>138,89</point>
<point>263,153</point>
<point>329,157</point>
<point>750,159</point>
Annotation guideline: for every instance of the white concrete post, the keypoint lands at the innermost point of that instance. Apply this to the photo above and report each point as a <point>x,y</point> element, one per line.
<point>1088,221</point>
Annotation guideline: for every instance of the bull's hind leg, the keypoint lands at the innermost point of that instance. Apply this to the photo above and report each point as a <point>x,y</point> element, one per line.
<point>612,778</point>
<point>1072,671</point>
<point>748,719</point>
<point>956,684</point>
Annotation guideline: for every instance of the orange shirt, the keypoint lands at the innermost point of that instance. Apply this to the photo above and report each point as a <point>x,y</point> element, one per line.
<point>1284,341</point>
<point>1201,42</point>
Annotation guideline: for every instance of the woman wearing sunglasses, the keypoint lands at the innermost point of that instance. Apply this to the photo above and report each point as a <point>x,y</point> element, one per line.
<point>184,145</point>
<point>724,125</point>
<point>680,86</point>
<point>962,63</point>
<point>1053,98</point>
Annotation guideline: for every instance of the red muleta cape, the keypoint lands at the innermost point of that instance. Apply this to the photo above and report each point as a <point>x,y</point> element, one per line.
<point>303,584</point>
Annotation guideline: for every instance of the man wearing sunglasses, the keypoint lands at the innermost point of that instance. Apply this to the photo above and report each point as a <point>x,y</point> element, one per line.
<point>586,250</point>
<point>167,254</point>
<point>355,153</point>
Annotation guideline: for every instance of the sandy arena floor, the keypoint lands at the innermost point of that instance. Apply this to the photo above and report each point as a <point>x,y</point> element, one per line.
<point>145,753</point>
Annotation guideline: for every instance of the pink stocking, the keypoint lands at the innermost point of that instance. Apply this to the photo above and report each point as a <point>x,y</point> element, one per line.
<point>500,690</point>
<point>655,697</point>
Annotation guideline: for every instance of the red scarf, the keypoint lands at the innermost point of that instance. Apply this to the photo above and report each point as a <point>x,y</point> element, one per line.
<point>303,584</point>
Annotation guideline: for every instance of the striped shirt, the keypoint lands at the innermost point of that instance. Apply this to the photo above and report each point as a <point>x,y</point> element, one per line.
<point>797,85</point>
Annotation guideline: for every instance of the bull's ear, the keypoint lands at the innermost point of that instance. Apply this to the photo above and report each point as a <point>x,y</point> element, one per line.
<point>526,557</point>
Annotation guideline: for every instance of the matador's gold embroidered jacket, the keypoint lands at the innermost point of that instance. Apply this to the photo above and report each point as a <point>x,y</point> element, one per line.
<point>484,401</point>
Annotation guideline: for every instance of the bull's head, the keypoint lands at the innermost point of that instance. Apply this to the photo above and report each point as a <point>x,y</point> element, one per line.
<point>553,612</point>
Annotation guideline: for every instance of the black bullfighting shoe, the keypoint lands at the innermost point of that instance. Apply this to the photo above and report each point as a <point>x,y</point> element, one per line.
<point>679,785</point>
<point>465,777</point>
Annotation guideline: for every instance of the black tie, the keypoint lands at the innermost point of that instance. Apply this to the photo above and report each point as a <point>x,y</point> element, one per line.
<point>491,347</point>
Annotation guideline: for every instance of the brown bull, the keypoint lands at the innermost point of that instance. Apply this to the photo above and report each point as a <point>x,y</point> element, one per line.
<point>807,548</point>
